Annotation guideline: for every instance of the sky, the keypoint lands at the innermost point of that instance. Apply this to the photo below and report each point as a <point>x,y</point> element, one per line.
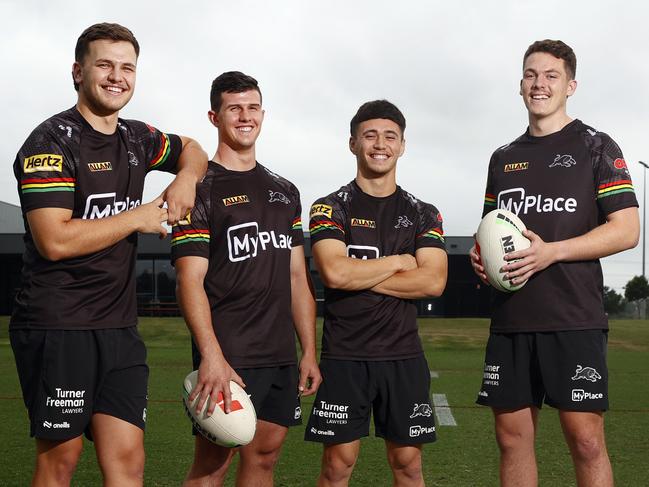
<point>453,68</point>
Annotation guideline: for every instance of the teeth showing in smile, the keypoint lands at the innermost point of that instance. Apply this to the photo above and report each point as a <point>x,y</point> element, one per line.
<point>380,157</point>
<point>114,89</point>
<point>244,129</point>
<point>540,97</point>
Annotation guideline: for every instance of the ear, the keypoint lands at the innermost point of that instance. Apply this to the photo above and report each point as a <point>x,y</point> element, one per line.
<point>572,87</point>
<point>77,77</point>
<point>520,88</point>
<point>403,147</point>
<point>352,145</point>
<point>213,118</point>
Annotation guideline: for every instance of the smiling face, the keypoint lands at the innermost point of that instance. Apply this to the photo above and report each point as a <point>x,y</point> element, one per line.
<point>106,76</point>
<point>546,86</point>
<point>377,145</point>
<point>239,119</point>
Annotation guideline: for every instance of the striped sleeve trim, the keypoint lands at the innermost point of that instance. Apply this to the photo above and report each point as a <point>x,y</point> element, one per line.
<point>161,156</point>
<point>616,187</point>
<point>297,224</point>
<point>432,233</point>
<point>318,226</point>
<point>46,185</point>
<point>489,199</point>
<point>190,236</point>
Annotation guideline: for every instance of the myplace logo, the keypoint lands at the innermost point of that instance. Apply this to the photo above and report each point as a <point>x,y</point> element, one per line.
<point>102,205</point>
<point>579,395</point>
<point>516,201</point>
<point>245,241</point>
<point>363,252</point>
<point>418,430</point>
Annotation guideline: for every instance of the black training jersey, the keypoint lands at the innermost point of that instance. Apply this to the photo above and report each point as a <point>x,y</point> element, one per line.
<point>246,223</point>
<point>562,186</point>
<point>65,163</point>
<point>364,325</point>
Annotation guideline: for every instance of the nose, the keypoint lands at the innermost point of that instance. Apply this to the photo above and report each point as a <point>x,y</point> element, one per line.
<point>115,74</point>
<point>244,115</point>
<point>379,142</point>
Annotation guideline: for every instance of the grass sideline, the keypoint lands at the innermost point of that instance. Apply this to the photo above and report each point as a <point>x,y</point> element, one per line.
<point>465,455</point>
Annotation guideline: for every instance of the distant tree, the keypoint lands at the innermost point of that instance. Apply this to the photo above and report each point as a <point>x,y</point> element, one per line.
<point>613,302</point>
<point>637,288</point>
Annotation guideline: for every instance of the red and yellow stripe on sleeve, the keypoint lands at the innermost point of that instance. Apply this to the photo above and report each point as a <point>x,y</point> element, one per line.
<point>433,233</point>
<point>180,237</point>
<point>317,226</point>
<point>615,187</point>
<point>163,153</point>
<point>297,223</point>
<point>46,185</point>
<point>489,199</point>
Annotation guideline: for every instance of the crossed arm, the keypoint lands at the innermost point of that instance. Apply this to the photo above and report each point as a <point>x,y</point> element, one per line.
<point>59,236</point>
<point>402,276</point>
<point>620,232</point>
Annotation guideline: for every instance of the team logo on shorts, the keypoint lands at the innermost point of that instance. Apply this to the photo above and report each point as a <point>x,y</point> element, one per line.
<point>421,410</point>
<point>587,373</point>
<point>298,413</point>
<point>277,196</point>
<point>565,160</point>
<point>403,222</point>
<point>43,162</point>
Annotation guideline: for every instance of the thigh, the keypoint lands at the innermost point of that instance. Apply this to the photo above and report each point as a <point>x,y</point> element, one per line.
<point>117,442</point>
<point>573,364</point>
<point>124,374</point>
<point>274,393</point>
<point>342,406</point>
<point>511,378</point>
<point>402,410</point>
<point>57,370</point>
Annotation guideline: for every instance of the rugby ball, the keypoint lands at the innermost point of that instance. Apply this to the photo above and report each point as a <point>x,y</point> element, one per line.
<point>500,232</point>
<point>237,428</point>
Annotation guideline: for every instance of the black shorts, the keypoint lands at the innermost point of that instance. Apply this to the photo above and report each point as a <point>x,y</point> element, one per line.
<point>397,391</point>
<point>566,370</point>
<point>68,375</point>
<point>272,390</point>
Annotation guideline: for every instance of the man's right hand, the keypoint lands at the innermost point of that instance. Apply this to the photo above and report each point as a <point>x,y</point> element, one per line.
<point>150,217</point>
<point>214,377</point>
<point>476,263</point>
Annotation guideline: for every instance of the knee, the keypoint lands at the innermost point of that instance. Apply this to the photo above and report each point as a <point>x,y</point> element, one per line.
<point>587,448</point>
<point>125,463</point>
<point>510,439</point>
<point>337,466</point>
<point>406,466</point>
<point>59,466</point>
<point>262,459</point>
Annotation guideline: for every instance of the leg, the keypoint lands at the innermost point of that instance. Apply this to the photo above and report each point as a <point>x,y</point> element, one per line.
<point>56,461</point>
<point>210,464</point>
<point>515,434</point>
<point>584,433</point>
<point>120,450</point>
<point>405,462</point>
<point>258,458</point>
<point>338,462</point>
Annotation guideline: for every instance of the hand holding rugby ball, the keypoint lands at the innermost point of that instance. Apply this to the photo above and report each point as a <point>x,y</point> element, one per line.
<point>500,232</point>
<point>237,428</point>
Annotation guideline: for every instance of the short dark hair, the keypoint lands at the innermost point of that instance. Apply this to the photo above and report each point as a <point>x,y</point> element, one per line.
<point>231,82</point>
<point>377,109</point>
<point>558,49</point>
<point>98,32</point>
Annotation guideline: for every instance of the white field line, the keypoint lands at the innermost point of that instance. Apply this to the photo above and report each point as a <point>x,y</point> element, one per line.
<point>443,410</point>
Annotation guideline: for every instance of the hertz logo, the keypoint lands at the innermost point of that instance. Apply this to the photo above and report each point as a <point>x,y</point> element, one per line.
<point>236,200</point>
<point>321,210</point>
<point>361,222</point>
<point>43,162</point>
<point>100,166</point>
<point>516,166</point>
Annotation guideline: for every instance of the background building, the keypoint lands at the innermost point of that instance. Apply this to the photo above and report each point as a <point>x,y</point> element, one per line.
<point>156,278</point>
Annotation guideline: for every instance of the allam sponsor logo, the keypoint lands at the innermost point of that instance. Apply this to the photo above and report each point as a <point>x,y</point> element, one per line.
<point>520,203</point>
<point>236,200</point>
<point>516,166</point>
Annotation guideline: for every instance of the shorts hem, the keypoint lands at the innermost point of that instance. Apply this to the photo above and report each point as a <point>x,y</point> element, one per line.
<point>336,441</point>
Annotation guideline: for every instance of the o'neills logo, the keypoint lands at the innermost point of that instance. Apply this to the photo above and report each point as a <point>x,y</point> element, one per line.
<point>100,166</point>
<point>516,166</point>
<point>361,222</point>
<point>236,200</point>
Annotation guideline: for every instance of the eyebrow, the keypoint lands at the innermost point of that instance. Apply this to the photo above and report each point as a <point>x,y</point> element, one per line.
<point>104,60</point>
<point>256,105</point>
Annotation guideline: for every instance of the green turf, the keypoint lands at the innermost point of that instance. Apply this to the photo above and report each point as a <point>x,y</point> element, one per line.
<point>465,455</point>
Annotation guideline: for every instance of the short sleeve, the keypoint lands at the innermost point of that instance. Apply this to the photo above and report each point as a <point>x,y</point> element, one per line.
<point>45,173</point>
<point>326,220</point>
<point>191,237</point>
<point>297,233</point>
<point>430,231</point>
<point>490,194</point>
<point>613,181</point>
<point>161,150</point>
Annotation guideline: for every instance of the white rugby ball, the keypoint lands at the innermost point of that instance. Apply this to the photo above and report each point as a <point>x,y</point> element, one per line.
<point>500,232</point>
<point>237,428</point>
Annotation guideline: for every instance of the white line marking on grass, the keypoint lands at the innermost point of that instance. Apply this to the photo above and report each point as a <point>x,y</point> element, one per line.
<point>443,410</point>
<point>434,375</point>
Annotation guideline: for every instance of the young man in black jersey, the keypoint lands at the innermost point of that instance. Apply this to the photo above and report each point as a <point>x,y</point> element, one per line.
<point>377,248</point>
<point>244,290</point>
<point>81,362</point>
<point>571,187</point>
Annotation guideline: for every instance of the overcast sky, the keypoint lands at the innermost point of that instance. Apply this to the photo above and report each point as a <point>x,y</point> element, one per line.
<point>452,67</point>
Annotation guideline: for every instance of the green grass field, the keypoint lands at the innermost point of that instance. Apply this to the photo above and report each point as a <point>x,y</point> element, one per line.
<point>465,455</point>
